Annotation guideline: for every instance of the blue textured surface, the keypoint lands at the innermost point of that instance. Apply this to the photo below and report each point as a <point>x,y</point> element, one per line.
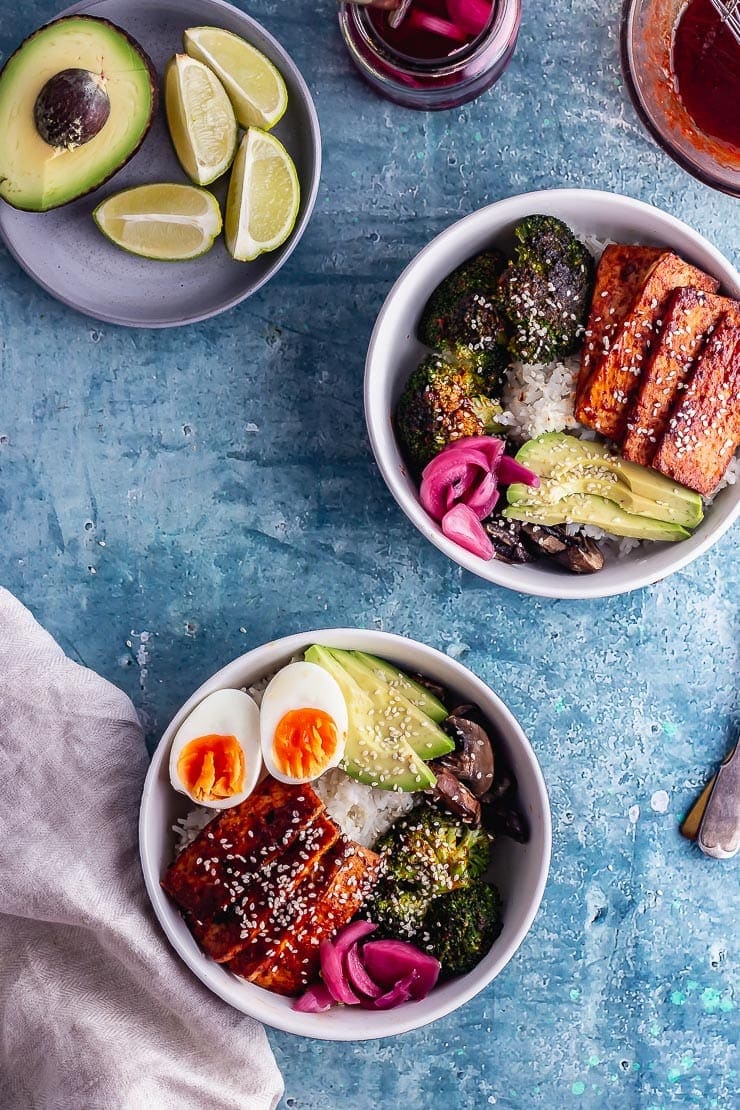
<point>172,499</point>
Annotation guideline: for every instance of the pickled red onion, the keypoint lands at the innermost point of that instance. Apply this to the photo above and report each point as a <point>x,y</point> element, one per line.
<point>425,21</point>
<point>449,478</point>
<point>316,1000</point>
<point>490,446</point>
<point>334,975</point>
<point>459,488</point>
<point>384,973</point>
<point>357,974</point>
<point>391,961</point>
<point>399,992</point>
<point>463,527</point>
<point>471,15</point>
<point>351,934</point>
<point>510,471</point>
<point>459,453</point>
<point>483,498</point>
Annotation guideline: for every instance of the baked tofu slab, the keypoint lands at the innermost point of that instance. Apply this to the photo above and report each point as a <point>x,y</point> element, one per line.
<point>251,898</point>
<point>607,395</point>
<point>266,943</point>
<point>266,881</point>
<point>296,962</point>
<point>690,318</point>
<point>620,275</point>
<point>234,848</point>
<point>704,432</point>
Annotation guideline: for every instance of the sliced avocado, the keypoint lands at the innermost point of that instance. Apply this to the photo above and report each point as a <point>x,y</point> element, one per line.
<point>76,101</point>
<point>602,483</point>
<point>418,730</point>
<point>376,753</point>
<point>417,694</point>
<point>584,508</point>
<point>565,459</point>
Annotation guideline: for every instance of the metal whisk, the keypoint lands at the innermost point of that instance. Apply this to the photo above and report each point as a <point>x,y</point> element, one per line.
<point>729,10</point>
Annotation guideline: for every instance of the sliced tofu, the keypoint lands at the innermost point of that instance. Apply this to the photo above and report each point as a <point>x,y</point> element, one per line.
<point>605,399</point>
<point>704,432</point>
<point>250,903</point>
<point>242,839</point>
<point>620,276</point>
<point>295,963</point>
<point>265,944</point>
<point>691,316</point>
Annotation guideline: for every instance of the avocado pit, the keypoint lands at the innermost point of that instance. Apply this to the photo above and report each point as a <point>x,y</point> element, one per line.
<point>72,108</point>
<point>74,79</point>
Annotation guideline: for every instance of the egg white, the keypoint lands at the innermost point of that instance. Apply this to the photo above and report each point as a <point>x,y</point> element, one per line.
<point>222,713</point>
<point>301,686</point>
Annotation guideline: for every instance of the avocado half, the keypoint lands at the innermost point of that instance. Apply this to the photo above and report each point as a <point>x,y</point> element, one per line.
<point>91,91</point>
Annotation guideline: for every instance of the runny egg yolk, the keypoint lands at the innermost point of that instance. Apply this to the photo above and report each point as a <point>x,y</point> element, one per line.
<point>212,767</point>
<point>305,741</point>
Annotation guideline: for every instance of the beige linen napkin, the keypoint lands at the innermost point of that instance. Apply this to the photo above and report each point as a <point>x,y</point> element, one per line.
<point>96,1010</point>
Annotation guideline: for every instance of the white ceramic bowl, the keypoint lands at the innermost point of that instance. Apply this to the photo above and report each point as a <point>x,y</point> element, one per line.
<point>520,870</point>
<point>395,351</point>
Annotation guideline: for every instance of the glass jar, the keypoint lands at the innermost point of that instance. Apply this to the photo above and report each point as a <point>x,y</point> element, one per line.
<point>432,84</point>
<point>648,34</point>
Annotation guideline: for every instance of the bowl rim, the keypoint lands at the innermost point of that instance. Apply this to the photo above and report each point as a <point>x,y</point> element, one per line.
<point>283,253</point>
<point>585,587</point>
<point>687,164</point>
<point>402,1020</point>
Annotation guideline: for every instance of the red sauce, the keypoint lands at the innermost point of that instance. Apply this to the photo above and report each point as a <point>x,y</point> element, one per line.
<point>706,65</point>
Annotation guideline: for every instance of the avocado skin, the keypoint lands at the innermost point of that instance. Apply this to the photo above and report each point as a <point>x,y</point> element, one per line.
<point>153,86</point>
<point>574,465</point>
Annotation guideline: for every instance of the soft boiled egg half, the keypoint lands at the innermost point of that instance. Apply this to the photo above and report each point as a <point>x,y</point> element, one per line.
<point>303,723</point>
<point>215,756</point>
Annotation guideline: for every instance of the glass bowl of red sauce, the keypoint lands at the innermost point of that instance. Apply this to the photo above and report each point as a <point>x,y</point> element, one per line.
<point>443,54</point>
<point>682,68</point>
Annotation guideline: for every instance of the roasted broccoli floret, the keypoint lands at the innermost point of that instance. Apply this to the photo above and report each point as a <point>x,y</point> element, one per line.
<point>397,910</point>
<point>431,890</point>
<point>433,851</point>
<point>461,926</point>
<point>545,291</point>
<point>463,309</point>
<point>448,396</point>
<point>493,365</point>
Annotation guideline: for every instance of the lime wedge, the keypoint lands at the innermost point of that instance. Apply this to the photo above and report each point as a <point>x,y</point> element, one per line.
<point>163,221</point>
<point>201,120</point>
<point>254,85</point>
<point>264,195</point>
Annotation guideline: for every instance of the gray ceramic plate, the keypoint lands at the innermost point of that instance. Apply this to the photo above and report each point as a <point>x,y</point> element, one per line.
<point>66,254</point>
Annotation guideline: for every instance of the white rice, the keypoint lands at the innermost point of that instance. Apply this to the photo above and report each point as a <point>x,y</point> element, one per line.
<point>363,813</point>
<point>187,828</point>
<point>613,547</point>
<point>596,245</point>
<point>540,398</point>
<point>729,478</point>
